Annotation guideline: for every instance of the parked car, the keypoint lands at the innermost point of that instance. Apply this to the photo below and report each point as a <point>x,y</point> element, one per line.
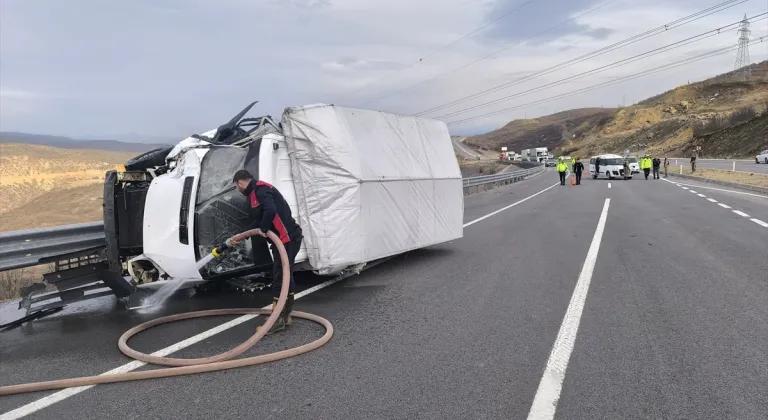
<point>550,162</point>
<point>611,166</point>
<point>762,157</point>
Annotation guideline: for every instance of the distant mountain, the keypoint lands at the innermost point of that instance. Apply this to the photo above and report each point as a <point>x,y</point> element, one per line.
<point>69,143</point>
<point>137,138</point>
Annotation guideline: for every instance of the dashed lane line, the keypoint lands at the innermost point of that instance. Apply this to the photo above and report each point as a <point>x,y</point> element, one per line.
<point>741,213</point>
<point>682,185</point>
<point>760,222</point>
<point>725,206</point>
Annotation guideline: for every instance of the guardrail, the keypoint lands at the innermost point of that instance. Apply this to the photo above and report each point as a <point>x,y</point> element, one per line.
<point>481,183</point>
<point>27,248</point>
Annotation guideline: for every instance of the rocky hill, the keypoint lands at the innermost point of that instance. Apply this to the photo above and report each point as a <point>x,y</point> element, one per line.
<point>724,115</point>
<point>550,131</point>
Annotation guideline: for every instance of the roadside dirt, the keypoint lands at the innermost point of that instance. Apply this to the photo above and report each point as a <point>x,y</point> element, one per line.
<point>747,178</point>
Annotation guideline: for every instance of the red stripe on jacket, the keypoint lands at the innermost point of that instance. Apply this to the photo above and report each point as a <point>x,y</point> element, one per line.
<point>281,230</point>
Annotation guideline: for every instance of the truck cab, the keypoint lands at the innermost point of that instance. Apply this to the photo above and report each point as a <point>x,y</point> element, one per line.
<point>164,216</point>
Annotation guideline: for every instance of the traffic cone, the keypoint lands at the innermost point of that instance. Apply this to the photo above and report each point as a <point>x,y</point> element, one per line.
<point>573,179</point>
<point>585,173</point>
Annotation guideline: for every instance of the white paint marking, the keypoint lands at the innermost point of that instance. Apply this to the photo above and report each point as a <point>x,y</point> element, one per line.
<point>741,213</point>
<point>720,189</point>
<point>548,393</point>
<point>58,396</point>
<point>692,192</point>
<point>506,208</point>
<point>685,188</point>
<point>760,222</point>
<point>702,195</point>
<point>609,185</point>
<point>712,200</point>
<point>725,206</point>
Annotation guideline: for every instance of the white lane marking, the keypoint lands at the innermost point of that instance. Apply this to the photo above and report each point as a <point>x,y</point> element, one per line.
<point>741,213</point>
<point>58,396</point>
<point>609,185</point>
<point>712,200</point>
<point>692,192</point>
<point>685,188</point>
<point>760,222</point>
<point>720,189</point>
<point>702,195</point>
<point>725,206</point>
<point>548,393</point>
<point>508,207</point>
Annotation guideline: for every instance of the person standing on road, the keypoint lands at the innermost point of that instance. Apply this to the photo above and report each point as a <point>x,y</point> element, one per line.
<point>597,167</point>
<point>578,169</point>
<point>693,163</point>
<point>562,168</point>
<point>666,167</point>
<point>645,165</point>
<point>656,165</point>
<point>270,212</point>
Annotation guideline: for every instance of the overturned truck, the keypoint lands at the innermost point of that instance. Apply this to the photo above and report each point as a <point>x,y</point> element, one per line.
<point>364,185</point>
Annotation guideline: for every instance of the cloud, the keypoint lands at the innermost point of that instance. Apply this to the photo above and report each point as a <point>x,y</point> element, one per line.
<point>543,19</point>
<point>175,67</point>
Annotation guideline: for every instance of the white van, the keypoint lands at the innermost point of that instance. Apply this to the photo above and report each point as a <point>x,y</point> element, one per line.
<point>611,166</point>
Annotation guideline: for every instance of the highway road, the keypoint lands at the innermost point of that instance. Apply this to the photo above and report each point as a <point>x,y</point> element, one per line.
<point>611,300</point>
<point>725,164</point>
<point>463,149</point>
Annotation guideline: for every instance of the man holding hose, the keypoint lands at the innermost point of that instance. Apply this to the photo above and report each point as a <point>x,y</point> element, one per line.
<point>270,212</point>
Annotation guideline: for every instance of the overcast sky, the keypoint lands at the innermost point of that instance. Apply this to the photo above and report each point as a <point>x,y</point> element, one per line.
<point>169,68</point>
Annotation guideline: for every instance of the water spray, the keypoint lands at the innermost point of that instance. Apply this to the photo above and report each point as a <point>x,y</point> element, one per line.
<point>154,302</point>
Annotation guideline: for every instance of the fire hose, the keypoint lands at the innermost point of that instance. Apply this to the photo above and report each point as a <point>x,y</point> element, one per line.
<point>180,367</point>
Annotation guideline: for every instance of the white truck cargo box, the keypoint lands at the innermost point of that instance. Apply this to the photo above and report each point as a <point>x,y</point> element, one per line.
<point>371,184</point>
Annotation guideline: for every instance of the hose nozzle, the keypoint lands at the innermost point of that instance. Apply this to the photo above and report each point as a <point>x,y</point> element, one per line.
<point>222,249</point>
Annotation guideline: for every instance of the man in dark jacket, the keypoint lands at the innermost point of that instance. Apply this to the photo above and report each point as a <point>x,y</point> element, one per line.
<point>578,169</point>
<point>270,212</point>
<point>656,166</point>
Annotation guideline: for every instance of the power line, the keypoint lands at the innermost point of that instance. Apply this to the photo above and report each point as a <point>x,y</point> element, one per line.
<point>643,73</point>
<point>655,51</point>
<point>444,47</point>
<point>491,55</point>
<point>620,44</point>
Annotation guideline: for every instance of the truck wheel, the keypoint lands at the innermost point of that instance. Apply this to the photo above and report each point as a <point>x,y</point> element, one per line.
<point>150,159</point>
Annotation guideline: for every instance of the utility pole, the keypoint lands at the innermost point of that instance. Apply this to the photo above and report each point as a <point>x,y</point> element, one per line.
<point>742,57</point>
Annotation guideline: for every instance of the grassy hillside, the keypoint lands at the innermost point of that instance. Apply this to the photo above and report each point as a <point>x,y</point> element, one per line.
<point>724,115</point>
<point>45,186</point>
